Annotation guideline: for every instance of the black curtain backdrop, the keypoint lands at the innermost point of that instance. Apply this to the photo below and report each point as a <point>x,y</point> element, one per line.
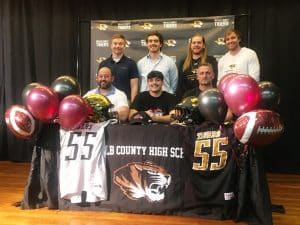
<point>40,40</point>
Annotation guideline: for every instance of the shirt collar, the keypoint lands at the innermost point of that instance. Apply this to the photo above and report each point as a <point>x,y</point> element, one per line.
<point>160,55</point>
<point>111,91</point>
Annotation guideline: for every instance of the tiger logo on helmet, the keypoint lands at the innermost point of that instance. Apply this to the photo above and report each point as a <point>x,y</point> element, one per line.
<point>189,111</point>
<point>99,106</point>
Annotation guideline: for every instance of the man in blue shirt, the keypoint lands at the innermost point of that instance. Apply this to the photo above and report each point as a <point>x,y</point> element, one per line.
<point>124,69</point>
<point>156,60</point>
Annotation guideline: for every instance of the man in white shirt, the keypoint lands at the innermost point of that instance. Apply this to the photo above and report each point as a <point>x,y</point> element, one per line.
<point>240,60</point>
<point>156,60</point>
<point>118,98</point>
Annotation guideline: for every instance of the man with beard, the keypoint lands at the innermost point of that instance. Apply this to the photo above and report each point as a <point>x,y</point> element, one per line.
<point>196,54</point>
<point>156,103</point>
<point>205,76</point>
<point>156,60</point>
<point>104,79</point>
<point>240,60</point>
<point>125,70</point>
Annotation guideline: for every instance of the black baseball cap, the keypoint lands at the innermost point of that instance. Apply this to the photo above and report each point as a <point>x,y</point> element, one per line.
<point>155,73</point>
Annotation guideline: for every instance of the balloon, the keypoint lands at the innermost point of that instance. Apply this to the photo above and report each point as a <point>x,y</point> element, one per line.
<point>73,112</point>
<point>20,122</point>
<point>66,85</point>
<point>224,81</point>
<point>43,103</point>
<point>26,91</point>
<point>258,127</point>
<point>212,105</point>
<point>270,95</point>
<point>242,94</point>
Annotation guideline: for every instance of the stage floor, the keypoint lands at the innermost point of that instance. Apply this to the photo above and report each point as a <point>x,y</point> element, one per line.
<point>284,189</point>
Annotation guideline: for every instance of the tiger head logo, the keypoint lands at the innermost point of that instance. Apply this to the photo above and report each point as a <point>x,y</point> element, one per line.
<point>142,180</point>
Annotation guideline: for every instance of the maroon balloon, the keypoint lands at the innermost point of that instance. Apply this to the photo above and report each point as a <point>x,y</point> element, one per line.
<point>73,112</point>
<point>224,81</point>
<point>43,103</point>
<point>20,122</point>
<point>242,94</point>
<point>27,89</point>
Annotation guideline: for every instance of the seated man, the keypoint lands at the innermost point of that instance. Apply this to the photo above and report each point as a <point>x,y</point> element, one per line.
<point>205,76</point>
<point>118,98</point>
<point>156,103</point>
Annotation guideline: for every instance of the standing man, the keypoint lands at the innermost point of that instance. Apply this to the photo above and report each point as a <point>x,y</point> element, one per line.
<point>196,54</point>
<point>158,104</point>
<point>240,60</point>
<point>104,79</point>
<point>124,69</point>
<point>156,60</point>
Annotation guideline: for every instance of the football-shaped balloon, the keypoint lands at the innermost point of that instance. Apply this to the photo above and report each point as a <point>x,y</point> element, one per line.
<point>43,103</point>
<point>258,127</point>
<point>65,85</point>
<point>73,112</point>
<point>20,122</point>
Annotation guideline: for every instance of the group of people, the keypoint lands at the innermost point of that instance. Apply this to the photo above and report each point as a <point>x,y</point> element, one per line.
<point>154,84</point>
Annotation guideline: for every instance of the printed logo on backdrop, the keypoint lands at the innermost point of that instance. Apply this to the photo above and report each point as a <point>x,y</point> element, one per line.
<point>102,43</point>
<point>170,25</point>
<point>100,26</point>
<point>220,41</point>
<point>99,60</point>
<point>197,24</point>
<point>176,33</point>
<point>124,26</point>
<point>170,43</point>
<point>222,22</point>
<point>147,26</point>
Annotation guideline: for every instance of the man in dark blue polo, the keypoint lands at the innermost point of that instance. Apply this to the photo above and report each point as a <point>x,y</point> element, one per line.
<point>125,70</point>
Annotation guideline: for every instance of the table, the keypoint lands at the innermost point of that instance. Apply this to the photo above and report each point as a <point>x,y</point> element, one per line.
<point>135,152</point>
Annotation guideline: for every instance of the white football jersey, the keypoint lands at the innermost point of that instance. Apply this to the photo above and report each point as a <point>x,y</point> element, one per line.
<point>82,167</point>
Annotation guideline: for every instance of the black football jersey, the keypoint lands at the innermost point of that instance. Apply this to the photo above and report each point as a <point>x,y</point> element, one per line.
<point>211,188</point>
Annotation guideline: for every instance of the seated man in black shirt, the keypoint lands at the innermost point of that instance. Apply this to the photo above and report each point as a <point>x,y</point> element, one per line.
<point>156,103</point>
<point>205,76</point>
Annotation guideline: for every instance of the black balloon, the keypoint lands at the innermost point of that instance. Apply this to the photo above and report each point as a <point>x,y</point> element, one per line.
<point>26,91</point>
<point>66,85</point>
<point>212,105</point>
<point>270,95</point>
